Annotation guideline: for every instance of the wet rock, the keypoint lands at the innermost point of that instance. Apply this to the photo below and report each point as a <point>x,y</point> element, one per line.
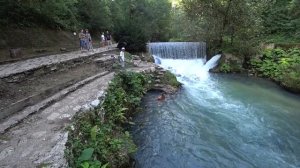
<point>53,116</point>
<point>95,103</point>
<point>6,152</point>
<point>136,57</point>
<point>157,80</point>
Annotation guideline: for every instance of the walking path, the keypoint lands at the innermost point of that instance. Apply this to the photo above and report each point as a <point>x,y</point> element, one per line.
<point>26,65</point>
<point>39,140</point>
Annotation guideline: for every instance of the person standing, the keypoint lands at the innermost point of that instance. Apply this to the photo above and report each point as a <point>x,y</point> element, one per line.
<point>122,57</point>
<point>102,40</point>
<point>108,39</point>
<point>82,40</point>
<point>89,41</point>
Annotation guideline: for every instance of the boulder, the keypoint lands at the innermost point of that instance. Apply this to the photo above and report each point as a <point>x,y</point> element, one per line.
<point>63,50</point>
<point>15,53</point>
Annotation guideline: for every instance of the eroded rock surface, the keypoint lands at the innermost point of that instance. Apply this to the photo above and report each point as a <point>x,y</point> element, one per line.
<point>40,139</point>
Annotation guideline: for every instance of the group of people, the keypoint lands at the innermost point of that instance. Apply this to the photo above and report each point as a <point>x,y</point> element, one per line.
<point>106,39</point>
<point>85,39</point>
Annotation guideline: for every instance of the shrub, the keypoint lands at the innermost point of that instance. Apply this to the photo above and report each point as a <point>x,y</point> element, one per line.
<point>280,65</point>
<point>95,141</point>
<point>170,79</point>
<point>225,68</point>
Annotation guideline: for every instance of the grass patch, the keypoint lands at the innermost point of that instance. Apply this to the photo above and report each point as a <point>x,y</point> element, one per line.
<point>170,79</point>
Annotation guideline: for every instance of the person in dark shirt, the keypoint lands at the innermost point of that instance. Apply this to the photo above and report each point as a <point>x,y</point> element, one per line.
<point>108,39</point>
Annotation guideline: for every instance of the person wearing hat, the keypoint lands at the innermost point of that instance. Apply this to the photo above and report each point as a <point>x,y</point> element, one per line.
<point>122,57</point>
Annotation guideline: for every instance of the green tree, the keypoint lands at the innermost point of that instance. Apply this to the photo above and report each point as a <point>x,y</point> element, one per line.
<point>142,21</point>
<point>227,24</point>
<point>282,17</point>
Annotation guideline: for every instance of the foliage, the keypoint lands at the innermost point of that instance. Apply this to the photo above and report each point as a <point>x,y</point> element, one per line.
<point>291,79</point>
<point>95,140</point>
<point>282,17</point>
<point>52,13</point>
<point>226,23</point>
<point>170,79</point>
<point>225,68</point>
<point>124,95</point>
<point>133,22</point>
<point>142,21</point>
<point>275,63</point>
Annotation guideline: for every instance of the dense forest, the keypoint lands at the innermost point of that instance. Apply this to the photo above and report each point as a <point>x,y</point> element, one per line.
<point>236,25</point>
<point>132,21</point>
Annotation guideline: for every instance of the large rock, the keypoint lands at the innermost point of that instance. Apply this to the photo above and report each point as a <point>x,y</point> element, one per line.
<point>228,63</point>
<point>15,53</point>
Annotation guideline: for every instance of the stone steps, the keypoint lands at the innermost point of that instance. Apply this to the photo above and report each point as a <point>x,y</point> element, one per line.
<point>22,114</point>
<point>21,67</point>
<point>59,75</point>
<point>40,138</point>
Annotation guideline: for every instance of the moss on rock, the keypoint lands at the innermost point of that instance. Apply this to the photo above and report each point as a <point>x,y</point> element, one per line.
<point>170,79</point>
<point>228,64</point>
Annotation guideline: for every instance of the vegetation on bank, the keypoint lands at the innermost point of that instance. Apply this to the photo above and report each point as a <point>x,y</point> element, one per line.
<point>280,65</point>
<point>242,28</point>
<point>98,138</point>
<point>237,26</point>
<point>170,79</point>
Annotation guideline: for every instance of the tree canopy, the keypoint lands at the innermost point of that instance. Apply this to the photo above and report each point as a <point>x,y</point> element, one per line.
<point>235,24</point>
<point>242,24</point>
<point>132,21</point>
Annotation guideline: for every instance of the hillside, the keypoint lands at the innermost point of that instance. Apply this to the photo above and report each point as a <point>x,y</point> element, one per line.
<point>35,42</point>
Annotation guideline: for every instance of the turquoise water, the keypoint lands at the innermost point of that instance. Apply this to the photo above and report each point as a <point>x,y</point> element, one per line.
<point>219,121</point>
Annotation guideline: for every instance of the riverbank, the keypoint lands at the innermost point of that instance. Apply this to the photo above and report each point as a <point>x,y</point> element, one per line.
<point>99,137</point>
<point>277,64</point>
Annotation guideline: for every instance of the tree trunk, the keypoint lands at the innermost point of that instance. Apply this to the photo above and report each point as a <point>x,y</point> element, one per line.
<point>225,20</point>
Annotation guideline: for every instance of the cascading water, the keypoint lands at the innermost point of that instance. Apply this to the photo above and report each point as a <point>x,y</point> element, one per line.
<point>218,121</point>
<point>178,50</point>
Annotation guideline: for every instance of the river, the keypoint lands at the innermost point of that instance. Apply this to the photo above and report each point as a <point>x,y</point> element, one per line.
<point>218,121</point>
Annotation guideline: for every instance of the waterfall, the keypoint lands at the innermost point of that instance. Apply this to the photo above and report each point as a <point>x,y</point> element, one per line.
<point>187,60</point>
<point>178,50</point>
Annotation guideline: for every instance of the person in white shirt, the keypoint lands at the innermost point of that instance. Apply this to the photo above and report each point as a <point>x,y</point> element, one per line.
<point>122,57</point>
<point>102,43</point>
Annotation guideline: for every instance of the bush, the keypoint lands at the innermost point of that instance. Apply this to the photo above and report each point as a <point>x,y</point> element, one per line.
<point>291,79</point>
<point>170,79</point>
<point>276,62</point>
<point>95,141</point>
<point>280,65</point>
<point>225,68</point>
